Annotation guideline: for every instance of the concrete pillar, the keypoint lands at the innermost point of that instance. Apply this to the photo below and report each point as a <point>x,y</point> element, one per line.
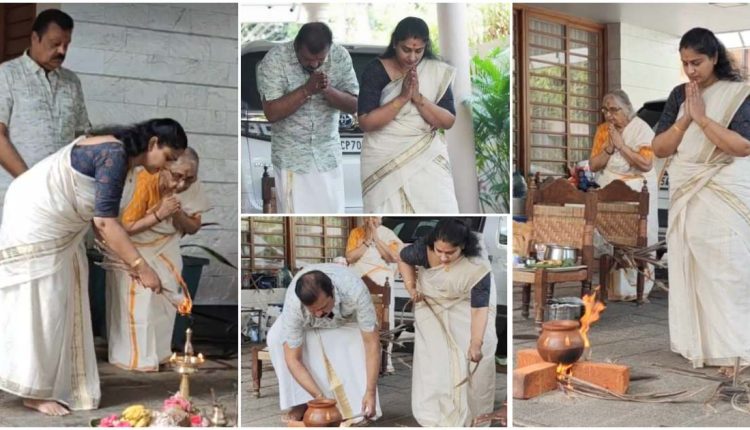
<point>454,48</point>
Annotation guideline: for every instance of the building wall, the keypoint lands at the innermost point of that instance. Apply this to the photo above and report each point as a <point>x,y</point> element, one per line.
<point>140,61</point>
<point>645,63</point>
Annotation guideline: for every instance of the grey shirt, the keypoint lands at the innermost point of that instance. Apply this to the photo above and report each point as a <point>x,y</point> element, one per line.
<point>352,303</point>
<point>42,111</point>
<point>307,140</point>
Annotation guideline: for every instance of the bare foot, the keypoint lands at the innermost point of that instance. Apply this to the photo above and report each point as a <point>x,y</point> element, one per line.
<point>294,414</point>
<point>47,407</point>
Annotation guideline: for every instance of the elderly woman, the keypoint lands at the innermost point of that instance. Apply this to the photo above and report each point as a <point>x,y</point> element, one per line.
<point>44,309</point>
<point>705,128</point>
<point>372,250</point>
<point>448,278</point>
<point>164,207</point>
<point>404,101</point>
<point>622,150</point>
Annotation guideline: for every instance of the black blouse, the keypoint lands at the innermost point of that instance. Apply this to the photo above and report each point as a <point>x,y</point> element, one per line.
<point>107,163</point>
<point>740,122</point>
<point>416,255</point>
<point>375,78</point>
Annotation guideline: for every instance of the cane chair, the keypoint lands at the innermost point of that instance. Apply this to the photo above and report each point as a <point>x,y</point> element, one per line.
<point>565,216</point>
<point>621,219</point>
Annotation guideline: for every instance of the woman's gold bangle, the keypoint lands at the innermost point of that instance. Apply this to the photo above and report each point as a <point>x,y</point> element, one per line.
<point>136,263</point>
<point>678,128</point>
<point>398,105</point>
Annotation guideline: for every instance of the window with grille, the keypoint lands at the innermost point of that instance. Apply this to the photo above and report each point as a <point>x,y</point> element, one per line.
<point>319,239</point>
<point>560,81</point>
<point>263,246</point>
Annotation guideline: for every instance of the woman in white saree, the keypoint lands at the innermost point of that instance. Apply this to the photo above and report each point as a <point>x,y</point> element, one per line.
<point>453,377</point>
<point>404,101</point>
<point>622,150</point>
<point>165,206</point>
<point>705,128</point>
<point>44,311</point>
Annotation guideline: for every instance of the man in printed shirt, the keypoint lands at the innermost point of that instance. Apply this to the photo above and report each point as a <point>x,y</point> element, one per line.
<point>304,85</point>
<point>41,103</point>
<point>326,344</point>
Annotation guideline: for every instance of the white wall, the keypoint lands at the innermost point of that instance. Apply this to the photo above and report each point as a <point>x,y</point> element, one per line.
<point>645,63</point>
<point>140,61</point>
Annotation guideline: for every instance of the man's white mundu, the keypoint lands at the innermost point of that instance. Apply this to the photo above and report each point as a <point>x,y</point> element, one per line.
<point>418,179</point>
<point>140,322</point>
<point>335,356</point>
<point>709,241</point>
<point>441,396</point>
<point>44,306</point>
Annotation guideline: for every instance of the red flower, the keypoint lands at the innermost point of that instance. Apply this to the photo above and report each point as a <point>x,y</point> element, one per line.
<point>196,420</point>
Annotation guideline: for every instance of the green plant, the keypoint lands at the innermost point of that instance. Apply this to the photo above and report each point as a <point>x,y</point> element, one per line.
<point>210,251</point>
<point>490,105</point>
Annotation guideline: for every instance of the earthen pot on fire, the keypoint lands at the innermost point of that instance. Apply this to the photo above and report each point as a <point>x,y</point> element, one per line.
<point>322,413</point>
<point>560,342</point>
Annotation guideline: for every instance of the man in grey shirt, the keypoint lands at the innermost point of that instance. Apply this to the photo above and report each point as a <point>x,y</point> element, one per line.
<point>41,103</point>
<point>304,86</point>
<point>326,343</point>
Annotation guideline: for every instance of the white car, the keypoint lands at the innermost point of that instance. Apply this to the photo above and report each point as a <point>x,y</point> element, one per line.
<point>256,130</point>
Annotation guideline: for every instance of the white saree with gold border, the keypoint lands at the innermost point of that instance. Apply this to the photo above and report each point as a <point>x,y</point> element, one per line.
<point>405,165</point>
<point>636,135</point>
<point>44,305</point>
<point>140,322</point>
<point>709,241</point>
<point>440,395</point>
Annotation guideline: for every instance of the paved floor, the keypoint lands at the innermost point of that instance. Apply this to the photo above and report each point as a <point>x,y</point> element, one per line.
<point>121,388</point>
<point>636,336</point>
<point>395,395</point>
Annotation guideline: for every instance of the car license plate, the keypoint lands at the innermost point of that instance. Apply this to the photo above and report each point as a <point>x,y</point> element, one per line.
<point>351,145</point>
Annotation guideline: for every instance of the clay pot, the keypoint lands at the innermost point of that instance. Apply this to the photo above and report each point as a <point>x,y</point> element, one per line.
<point>560,342</point>
<point>322,413</point>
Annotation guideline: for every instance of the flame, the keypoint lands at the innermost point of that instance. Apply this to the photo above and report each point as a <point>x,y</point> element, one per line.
<point>593,308</point>
<point>564,372</point>
<point>185,307</point>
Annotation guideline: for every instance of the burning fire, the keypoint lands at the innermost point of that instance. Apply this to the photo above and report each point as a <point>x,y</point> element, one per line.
<point>185,307</point>
<point>593,308</point>
<point>564,372</point>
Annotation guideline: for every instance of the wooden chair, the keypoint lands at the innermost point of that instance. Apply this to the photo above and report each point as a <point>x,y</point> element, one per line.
<point>268,194</point>
<point>556,221</point>
<point>258,355</point>
<point>381,298</point>
<point>621,218</point>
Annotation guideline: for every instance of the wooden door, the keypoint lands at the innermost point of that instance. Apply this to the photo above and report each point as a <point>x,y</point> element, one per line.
<point>15,28</point>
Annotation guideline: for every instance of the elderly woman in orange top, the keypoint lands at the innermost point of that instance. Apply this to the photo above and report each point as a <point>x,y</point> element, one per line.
<point>372,250</point>
<point>622,150</point>
<point>165,206</point>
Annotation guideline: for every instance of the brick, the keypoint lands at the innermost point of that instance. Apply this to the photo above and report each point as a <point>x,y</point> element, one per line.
<point>531,381</point>
<point>614,377</point>
<point>527,357</point>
